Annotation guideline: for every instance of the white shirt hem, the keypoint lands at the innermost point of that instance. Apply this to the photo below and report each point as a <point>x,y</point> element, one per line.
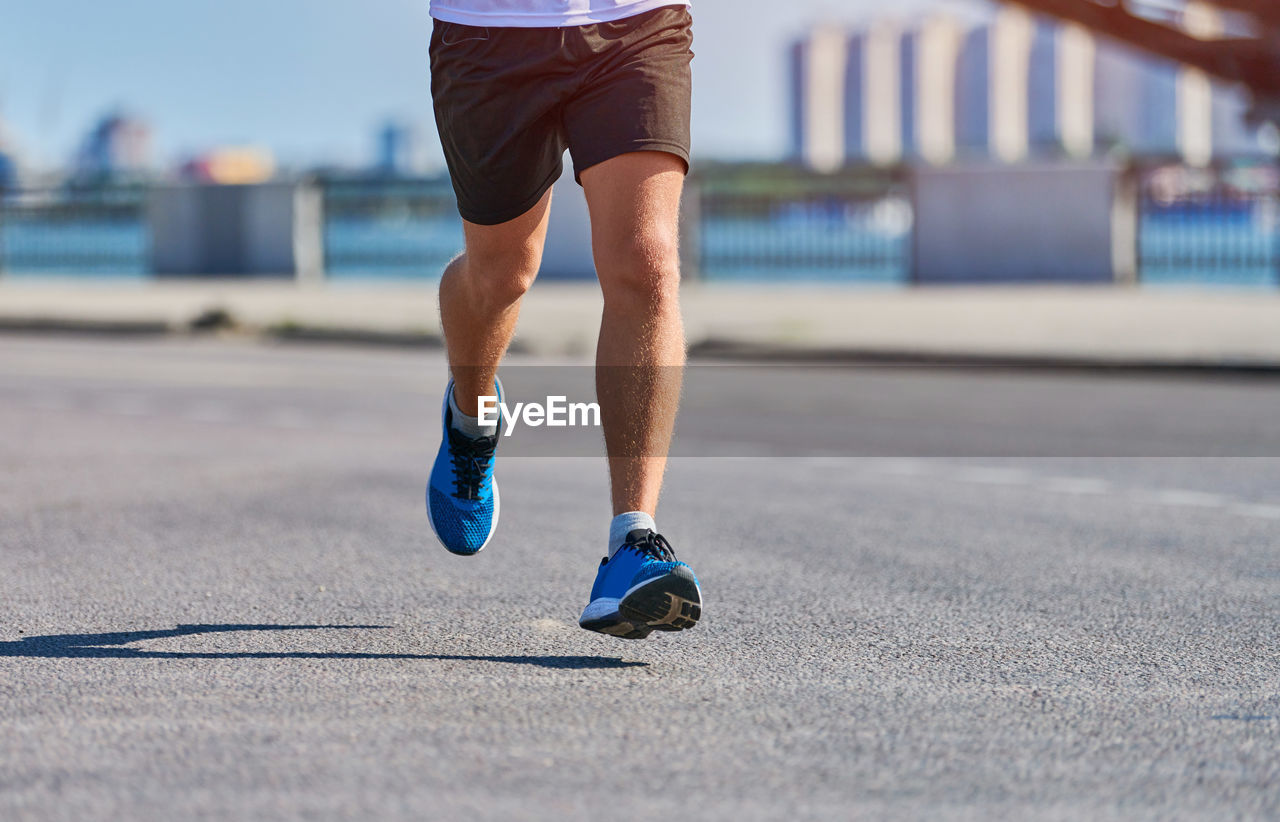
<point>552,20</point>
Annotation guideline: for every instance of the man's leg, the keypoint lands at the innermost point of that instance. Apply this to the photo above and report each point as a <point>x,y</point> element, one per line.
<point>479,302</point>
<point>634,200</point>
<point>480,295</point>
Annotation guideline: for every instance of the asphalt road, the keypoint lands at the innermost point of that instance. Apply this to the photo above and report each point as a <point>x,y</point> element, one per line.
<point>1035,596</point>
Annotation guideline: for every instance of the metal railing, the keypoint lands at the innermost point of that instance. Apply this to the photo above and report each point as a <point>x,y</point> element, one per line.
<point>397,229</point>
<point>99,231</point>
<point>778,223</point>
<point>1210,226</point>
<point>1214,226</point>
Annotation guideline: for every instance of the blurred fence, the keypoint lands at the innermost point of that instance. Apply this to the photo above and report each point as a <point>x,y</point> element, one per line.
<point>96,232</point>
<point>782,224</point>
<point>1215,226</point>
<point>1218,225</point>
<point>389,228</point>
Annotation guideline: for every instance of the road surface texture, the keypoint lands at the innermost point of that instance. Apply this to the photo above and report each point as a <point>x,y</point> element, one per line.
<point>1035,596</point>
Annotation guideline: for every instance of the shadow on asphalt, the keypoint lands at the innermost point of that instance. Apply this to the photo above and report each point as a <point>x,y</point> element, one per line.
<point>105,646</point>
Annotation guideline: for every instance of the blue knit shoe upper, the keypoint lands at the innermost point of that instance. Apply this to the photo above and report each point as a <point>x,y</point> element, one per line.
<point>462,495</point>
<point>643,588</point>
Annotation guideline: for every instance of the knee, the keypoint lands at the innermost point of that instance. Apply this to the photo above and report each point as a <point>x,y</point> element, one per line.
<point>646,266</point>
<point>501,275</point>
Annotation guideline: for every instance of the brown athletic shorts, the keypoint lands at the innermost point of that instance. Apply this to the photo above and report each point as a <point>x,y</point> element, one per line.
<point>509,101</point>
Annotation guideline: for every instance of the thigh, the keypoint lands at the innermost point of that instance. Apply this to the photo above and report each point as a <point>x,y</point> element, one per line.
<point>634,200</point>
<point>511,248</point>
<point>637,92</point>
<point>499,117</point>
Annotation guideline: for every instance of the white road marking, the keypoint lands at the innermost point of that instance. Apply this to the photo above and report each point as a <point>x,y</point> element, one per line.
<point>1080,486</point>
<point>994,476</point>
<point>1254,510</point>
<point>904,468</point>
<point>1179,498</point>
<point>1076,485</point>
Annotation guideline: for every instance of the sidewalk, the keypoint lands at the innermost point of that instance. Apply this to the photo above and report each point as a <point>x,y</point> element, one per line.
<point>1107,326</point>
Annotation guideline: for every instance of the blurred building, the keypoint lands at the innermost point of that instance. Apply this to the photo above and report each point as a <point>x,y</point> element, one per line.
<point>973,93</point>
<point>819,64</point>
<point>8,160</point>
<point>1232,131</point>
<point>855,125</point>
<point>8,171</point>
<point>1013,87</point>
<point>1136,101</point>
<point>119,145</point>
<point>401,150</point>
<point>231,166</point>
<point>894,100</point>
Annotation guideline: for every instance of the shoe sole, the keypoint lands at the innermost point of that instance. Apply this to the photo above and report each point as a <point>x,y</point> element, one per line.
<point>607,620</point>
<point>621,630</point>
<point>671,602</point>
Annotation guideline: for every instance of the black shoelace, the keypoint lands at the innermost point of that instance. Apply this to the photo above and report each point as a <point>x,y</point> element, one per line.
<point>471,460</point>
<point>655,546</point>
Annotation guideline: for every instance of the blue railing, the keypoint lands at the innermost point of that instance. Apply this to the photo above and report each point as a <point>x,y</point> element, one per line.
<point>1217,227</point>
<point>777,225</point>
<point>389,229</point>
<point>1212,226</point>
<point>91,232</point>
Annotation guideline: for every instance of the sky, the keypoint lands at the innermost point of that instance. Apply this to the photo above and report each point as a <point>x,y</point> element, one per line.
<point>312,79</point>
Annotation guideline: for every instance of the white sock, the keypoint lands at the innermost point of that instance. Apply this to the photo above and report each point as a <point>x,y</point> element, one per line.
<point>624,524</point>
<point>469,425</point>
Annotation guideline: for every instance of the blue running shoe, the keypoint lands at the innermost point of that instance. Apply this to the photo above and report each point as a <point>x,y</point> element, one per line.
<point>643,588</point>
<point>462,495</point>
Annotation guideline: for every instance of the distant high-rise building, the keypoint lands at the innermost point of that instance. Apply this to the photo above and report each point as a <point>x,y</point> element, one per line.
<point>1233,134</point>
<point>1014,87</point>
<point>1042,88</point>
<point>1075,49</point>
<point>908,85</point>
<point>796,97</point>
<point>8,171</point>
<point>8,161</point>
<point>232,165</point>
<point>400,150</point>
<point>998,64</point>
<point>855,121</point>
<point>883,92</point>
<point>1135,101</point>
<point>973,93</point>
<point>819,64</point>
<point>118,146</point>
<point>1059,90</point>
<point>937,45</point>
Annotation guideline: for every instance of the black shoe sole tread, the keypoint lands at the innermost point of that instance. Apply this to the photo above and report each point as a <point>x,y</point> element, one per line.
<point>667,603</point>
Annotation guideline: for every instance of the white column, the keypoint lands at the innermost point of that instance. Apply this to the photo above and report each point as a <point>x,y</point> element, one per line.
<point>1076,60</point>
<point>824,98</point>
<point>936,59</point>
<point>1195,91</point>
<point>883,112</point>
<point>1012,34</point>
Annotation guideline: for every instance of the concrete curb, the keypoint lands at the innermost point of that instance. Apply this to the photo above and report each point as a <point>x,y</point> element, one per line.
<point>1094,328</point>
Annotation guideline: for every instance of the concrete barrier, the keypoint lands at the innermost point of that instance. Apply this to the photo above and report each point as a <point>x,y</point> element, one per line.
<point>261,230</point>
<point>1011,224</point>
<point>567,255</point>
